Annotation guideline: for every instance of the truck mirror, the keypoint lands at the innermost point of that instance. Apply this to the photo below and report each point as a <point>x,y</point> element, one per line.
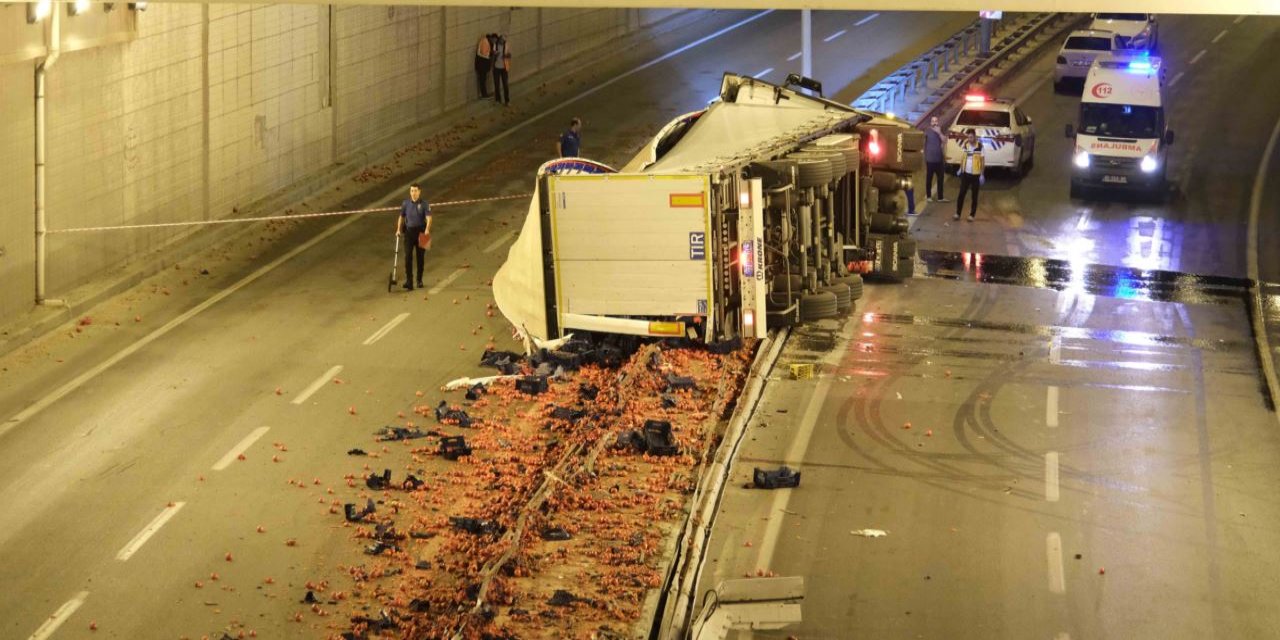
<point>1168,138</point>
<point>1070,131</point>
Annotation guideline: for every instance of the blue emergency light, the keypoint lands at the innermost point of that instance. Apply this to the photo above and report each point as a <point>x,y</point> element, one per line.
<point>1139,65</point>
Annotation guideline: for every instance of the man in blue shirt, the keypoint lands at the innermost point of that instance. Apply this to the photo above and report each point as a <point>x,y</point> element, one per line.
<point>414,220</point>
<point>570,144</point>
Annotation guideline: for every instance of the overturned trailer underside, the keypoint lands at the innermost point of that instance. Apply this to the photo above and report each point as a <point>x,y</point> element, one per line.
<point>742,216</point>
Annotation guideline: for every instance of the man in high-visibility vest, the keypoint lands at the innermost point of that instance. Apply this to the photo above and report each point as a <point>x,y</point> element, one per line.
<point>971,168</point>
<point>483,64</point>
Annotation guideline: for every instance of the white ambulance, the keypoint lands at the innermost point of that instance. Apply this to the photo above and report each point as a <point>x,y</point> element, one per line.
<point>1121,137</point>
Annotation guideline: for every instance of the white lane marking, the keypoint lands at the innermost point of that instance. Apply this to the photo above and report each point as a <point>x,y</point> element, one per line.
<point>320,382</point>
<point>1062,636</point>
<point>61,392</point>
<point>1057,577</point>
<point>795,453</point>
<point>1251,251</point>
<point>381,333</point>
<point>1199,55</point>
<point>447,281</point>
<point>763,73</point>
<point>148,531</point>
<point>1221,34</point>
<point>835,35</point>
<point>60,616</point>
<point>1177,78</point>
<point>795,55</point>
<point>1051,491</point>
<point>1055,350</point>
<point>499,242</point>
<point>1083,222</point>
<point>1051,407</point>
<point>241,447</point>
<point>866,20</point>
<point>1238,20</point>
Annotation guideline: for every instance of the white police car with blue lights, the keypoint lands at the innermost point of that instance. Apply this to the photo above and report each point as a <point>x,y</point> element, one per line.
<point>1005,131</point>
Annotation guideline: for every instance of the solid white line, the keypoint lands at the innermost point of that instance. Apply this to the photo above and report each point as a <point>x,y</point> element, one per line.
<point>64,390</point>
<point>1251,252</point>
<point>241,447</point>
<point>1055,350</point>
<point>60,616</point>
<point>795,453</point>
<point>1238,20</point>
<point>499,242</point>
<point>1051,407</point>
<point>148,531</point>
<point>794,56</point>
<point>763,73</point>
<point>447,281</point>
<point>1199,55</point>
<point>381,333</point>
<point>1051,476</point>
<point>1057,577</point>
<point>1218,37</point>
<point>866,20</point>
<point>320,382</point>
<point>1177,78</point>
<point>835,35</point>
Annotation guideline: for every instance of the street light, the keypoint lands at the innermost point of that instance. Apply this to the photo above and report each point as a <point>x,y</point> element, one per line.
<point>37,11</point>
<point>77,7</point>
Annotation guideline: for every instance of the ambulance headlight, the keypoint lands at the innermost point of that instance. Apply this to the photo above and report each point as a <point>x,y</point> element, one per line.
<point>1082,160</point>
<point>1148,164</point>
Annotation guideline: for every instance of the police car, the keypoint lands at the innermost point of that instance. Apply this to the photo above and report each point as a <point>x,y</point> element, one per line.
<point>1078,52</point>
<point>1007,136</point>
<point>1133,30</point>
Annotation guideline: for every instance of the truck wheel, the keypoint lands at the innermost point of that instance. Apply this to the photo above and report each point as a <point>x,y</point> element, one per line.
<point>812,173</point>
<point>853,281</point>
<point>780,284</point>
<point>843,301</point>
<point>816,306</point>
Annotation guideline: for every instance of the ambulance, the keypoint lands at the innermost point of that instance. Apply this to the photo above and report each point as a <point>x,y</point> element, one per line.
<point>1121,137</point>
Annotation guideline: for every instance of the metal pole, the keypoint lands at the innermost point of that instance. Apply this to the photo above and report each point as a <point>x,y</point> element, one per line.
<point>984,37</point>
<point>806,43</point>
<point>54,50</point>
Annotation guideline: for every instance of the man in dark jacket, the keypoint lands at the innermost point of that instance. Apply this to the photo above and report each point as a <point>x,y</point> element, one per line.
<point>934,147</point>
<point>570,144</point>
<point>414,220</point>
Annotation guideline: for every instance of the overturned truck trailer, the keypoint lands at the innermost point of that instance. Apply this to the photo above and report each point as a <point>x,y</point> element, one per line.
<point>759,211</point>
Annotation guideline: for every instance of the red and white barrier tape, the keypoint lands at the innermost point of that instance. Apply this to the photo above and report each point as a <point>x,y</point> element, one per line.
<point>295,216</point>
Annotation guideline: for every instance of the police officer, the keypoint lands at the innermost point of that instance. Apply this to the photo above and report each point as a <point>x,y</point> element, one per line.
<point>570,144</point>
<point>414,221</point>
<point>972,166</point>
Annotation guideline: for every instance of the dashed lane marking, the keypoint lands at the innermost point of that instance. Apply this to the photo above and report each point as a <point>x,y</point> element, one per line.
<point>1051,491</point>
<point>763,73</point>
<point>835,35</point>
<point>1051,407</point>
<point>150,530</point>
<point>320,382</point>
<point>1176,78</point>
<point>794,56</point>
<point>448,280</point>
<point>60,616</point>
<point>503,239</point>
<point>866,20</point>
<point>1238,20</point>
<point>1057,576</point>
<point>382,333</point>
<point>1199,55</point>
<point>1221,34</point>
<point>241,447</point>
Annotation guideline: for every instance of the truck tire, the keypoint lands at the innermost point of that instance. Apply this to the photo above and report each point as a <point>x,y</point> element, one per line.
<point>893,203</point>
<point>887,181</point>
<point>838,166</point>
<point>843,301</point>
<point>780,283</point>
<point>853,281</point>
<point>812,173</point>
<point>872,202</point>
<point>816,306</point>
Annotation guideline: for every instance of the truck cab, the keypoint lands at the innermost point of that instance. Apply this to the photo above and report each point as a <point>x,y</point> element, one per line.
<point>1121,134</point>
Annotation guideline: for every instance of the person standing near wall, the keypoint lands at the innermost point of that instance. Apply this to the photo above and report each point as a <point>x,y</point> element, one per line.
<point>482,65</point>
<point>500,53</point>
<point>971,168</point>
<point>570,144</point>
<point>414,221</point>
<point>934,143</point>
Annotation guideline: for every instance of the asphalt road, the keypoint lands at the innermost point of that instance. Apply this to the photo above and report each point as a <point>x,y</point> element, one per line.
<point>1222,109</point>
<point>1075,466</point>
<point>118,466</point>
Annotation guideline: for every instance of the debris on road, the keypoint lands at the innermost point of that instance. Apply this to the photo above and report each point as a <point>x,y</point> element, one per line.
<point>781,478</point>
<point>870,533</point>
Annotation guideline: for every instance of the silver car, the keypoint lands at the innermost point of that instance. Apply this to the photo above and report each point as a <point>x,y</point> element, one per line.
<point>1078,53</point>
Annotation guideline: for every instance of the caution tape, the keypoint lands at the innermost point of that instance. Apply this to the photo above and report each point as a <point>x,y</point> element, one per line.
<point>291,216</point>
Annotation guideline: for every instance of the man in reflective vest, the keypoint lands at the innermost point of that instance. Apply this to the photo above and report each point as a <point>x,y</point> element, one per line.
<point>971,168</point>
<point>483,64</point>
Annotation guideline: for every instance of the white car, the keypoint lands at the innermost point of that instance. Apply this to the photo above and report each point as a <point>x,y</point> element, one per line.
<point>1078,52</point>
<point>1007,136</point>
<point>1133,30</point>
